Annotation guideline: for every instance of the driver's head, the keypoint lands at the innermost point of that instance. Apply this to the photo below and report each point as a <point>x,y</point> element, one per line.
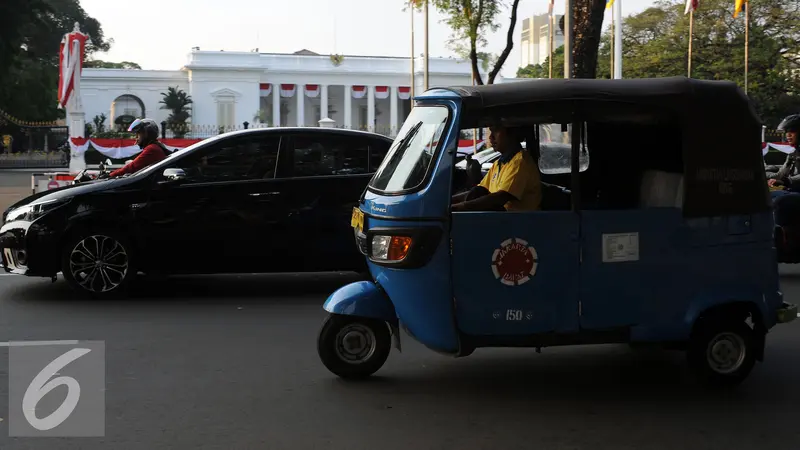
<point>503,138</point>
<point>791,126</point>
<point>146,131</point>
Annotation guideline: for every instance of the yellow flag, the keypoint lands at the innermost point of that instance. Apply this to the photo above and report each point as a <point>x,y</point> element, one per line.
<point>738,8</point>
<point>610,3</point>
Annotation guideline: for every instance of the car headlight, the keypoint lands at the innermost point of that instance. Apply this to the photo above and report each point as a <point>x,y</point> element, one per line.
<point>390,248</point>
<point>29,213</point>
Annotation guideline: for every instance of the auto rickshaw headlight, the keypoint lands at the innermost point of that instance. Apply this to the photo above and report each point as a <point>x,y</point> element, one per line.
<point>390,248</point>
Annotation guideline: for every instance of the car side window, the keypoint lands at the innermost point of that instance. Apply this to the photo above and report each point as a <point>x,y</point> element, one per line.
<point>326,155</point>
<point>377,151</point>
<point>236,159</point>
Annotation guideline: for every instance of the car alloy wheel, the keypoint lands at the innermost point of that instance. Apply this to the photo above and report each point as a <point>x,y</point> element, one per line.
<point>98,263</point>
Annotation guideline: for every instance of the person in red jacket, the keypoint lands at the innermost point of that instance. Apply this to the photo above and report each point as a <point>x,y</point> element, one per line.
<point>153,151</point>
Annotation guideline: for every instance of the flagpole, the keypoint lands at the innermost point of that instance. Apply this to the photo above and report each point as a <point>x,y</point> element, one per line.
<point>426,46</point>
<point>691,38</point>
<point>550,28</point>
<point>618,39</point>
<point>412,56</point>
<point>746,42</point>
<point>611,66</point>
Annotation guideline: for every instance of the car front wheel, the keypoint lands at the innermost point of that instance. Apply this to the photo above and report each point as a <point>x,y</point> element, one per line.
<point>98,263</point>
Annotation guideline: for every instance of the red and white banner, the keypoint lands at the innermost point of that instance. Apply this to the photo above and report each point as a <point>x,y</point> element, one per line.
<point>121,148</point>
<point>691,5</point>
<point>784,147</point>
<point>381,92</point>
<point>404,92</point>
<point>70,65</point>
<point>312,90</point>
<point>287,90</point>
<point>359,91</point>
<point>264,89</point>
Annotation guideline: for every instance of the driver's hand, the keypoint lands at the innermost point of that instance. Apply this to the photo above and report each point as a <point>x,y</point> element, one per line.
<point>103,175</point>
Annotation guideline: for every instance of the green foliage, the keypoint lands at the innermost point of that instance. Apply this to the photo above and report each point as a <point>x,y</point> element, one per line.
<point>99,123</point>
<point>656,42</point>
<point>100,64</point>
<point>30,34</point>
<point>470,22</point>
<point>177,101</point>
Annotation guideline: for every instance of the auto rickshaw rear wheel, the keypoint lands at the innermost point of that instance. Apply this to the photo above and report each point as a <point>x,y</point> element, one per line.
<point>722,352</point>
<point>353,347</point>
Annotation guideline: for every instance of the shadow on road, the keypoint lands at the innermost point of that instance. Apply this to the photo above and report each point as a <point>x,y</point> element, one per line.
<point>211,289</point>
<point>593,379</point>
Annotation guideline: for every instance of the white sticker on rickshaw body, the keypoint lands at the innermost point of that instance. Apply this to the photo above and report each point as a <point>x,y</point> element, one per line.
<point>620,247</point>
<point>515,262</point>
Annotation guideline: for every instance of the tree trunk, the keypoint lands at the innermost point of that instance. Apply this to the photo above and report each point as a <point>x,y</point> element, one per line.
<point>588,28</point>
<point>509,43</point>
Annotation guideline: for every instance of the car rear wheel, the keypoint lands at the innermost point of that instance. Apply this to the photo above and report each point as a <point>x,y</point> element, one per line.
<point>98,263</point>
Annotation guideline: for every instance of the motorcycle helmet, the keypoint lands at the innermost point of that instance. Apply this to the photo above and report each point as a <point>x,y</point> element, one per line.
<point>791,124</point>
<point>146,130</point>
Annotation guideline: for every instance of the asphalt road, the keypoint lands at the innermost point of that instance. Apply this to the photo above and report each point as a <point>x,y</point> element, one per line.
<point>230,362</point>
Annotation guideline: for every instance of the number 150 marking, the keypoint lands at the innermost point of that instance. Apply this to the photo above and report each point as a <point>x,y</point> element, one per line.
<point>514,314</point>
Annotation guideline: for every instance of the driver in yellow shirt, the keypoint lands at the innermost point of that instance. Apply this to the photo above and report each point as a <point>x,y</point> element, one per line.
<point>513,182</point>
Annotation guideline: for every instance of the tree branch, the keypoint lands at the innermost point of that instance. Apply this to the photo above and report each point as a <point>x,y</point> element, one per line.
<point>509,44</point>
<point>473,38</point>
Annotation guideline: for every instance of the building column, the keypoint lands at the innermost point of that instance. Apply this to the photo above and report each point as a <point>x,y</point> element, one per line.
<point>276,104</point>
<point>300,92</point>
<point>323,101</point>
<point>393,115</point>
<point>348,105</point>
<point>371,108</point>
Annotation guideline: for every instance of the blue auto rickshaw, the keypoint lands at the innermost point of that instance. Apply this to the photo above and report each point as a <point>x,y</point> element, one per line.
<point>656,228</point>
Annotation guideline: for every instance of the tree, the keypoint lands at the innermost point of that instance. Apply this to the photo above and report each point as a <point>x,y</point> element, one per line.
<point>655,44</point>
<point>471,21</point>
<point>177,102</point>
<point>30,34</point>
<point>100,64</point>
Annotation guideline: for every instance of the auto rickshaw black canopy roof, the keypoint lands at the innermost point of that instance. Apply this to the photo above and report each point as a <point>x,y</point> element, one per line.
<point>718,125</point>
<point>716,102</point>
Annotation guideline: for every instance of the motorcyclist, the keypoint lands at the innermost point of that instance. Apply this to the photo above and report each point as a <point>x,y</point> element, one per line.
<point>153,150</point>
<point>787,175</point>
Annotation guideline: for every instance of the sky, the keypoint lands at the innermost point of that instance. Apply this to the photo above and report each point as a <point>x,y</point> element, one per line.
<point>159,34</point>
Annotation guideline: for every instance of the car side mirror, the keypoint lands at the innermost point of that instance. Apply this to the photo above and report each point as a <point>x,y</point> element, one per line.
<point>174,175</point>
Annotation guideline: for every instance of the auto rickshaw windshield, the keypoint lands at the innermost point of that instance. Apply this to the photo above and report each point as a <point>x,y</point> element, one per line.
<point>409,159</point>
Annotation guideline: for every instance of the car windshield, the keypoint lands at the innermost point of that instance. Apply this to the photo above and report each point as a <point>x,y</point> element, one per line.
<point>409,159</point>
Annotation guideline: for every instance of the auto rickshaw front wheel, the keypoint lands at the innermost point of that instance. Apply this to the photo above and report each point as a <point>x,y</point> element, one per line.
<point>722,352</point>
<point>353,347</point>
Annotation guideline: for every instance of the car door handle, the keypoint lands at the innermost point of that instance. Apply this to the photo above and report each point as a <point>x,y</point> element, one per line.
<point>263,194</point>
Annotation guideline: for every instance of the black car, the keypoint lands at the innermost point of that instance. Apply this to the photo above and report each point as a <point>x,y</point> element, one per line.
<point>253,201</point>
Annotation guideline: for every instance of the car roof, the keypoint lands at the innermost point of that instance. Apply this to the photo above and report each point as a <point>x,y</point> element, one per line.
<point>305,130</point>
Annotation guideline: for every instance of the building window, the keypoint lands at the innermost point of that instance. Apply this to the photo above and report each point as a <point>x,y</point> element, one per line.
<point>226,112</point>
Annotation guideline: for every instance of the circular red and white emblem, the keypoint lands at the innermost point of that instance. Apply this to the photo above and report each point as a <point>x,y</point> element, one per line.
<point>514,263</point>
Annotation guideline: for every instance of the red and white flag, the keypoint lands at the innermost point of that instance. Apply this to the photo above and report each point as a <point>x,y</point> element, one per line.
<point>691,5</point>
<point>70,64</point>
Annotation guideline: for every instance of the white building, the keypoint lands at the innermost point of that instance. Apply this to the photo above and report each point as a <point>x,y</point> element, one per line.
<point>230,88</point>
<point>535,39</point>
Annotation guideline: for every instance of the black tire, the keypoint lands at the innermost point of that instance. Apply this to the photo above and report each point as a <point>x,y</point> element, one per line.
<point>116,270</point>
<point>376,341</point>
<point>714,352</point>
